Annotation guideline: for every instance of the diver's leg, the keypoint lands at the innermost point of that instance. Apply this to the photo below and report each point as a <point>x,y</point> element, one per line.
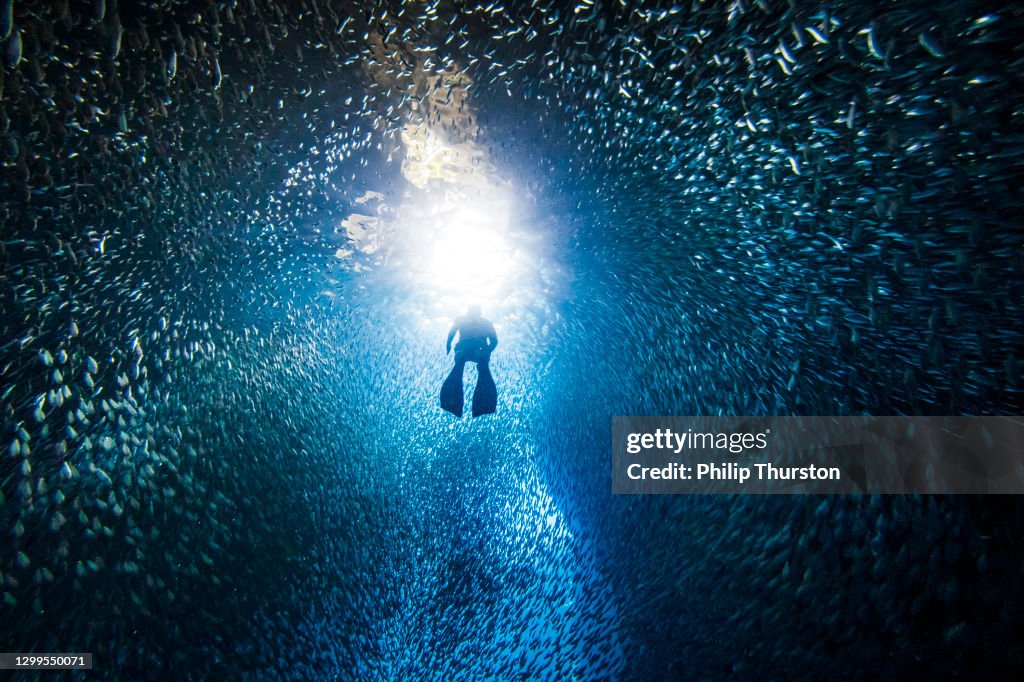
<point>485,395</point>
<point>451,389</point>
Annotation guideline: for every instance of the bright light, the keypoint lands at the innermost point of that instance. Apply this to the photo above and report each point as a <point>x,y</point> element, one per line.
<point>470,254</point>
<point>461,248</point>
<point>455,238</point>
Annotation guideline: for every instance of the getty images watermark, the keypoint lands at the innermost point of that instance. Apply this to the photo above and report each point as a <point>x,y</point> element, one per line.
<point>831,455</point>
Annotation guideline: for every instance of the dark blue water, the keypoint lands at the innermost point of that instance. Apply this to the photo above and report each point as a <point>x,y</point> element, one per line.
<point>234,236</point>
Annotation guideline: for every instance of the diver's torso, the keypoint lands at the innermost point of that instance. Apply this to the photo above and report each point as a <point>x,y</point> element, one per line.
<point>473,332</point>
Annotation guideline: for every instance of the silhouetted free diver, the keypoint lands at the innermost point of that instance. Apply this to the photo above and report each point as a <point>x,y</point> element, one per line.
<point>477,339</point>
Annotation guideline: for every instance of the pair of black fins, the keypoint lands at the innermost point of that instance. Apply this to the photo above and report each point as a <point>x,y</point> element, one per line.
<point>485,395</point>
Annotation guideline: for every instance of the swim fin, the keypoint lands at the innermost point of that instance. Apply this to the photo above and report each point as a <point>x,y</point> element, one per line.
<point>485,395</point>
<point>451,390</point>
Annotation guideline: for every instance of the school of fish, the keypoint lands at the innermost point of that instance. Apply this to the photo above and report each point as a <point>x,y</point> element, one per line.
<point>222,338</point>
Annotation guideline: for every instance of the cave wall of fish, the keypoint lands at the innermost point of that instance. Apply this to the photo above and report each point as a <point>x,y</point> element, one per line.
<point>773,209</point>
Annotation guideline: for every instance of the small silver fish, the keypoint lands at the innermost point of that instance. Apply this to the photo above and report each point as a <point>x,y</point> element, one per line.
<point>13,53</point>
<point>926,41</point>
<point>6,19</point>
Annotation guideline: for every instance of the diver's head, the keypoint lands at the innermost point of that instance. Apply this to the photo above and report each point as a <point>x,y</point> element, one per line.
<point>473,310</point>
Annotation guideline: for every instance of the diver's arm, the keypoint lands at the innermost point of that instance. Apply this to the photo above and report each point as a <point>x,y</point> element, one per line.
<point>451,335</point>
<point>492,339</point>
